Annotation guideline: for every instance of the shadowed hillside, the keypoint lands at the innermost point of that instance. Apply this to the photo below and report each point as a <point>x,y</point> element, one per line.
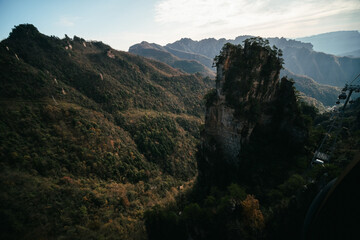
<point>324,94</point>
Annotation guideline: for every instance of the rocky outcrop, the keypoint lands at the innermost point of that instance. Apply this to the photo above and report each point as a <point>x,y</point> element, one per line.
<point>250,102</point>
<point>242,91</point>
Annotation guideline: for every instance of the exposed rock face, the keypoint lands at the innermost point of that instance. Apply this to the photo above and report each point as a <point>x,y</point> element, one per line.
<point>253,123</point>
<point>221,125</point>
<point>245,86</point>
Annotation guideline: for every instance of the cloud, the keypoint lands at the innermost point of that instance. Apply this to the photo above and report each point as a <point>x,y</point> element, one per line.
<point>67,21</point>
<point>247,14</point>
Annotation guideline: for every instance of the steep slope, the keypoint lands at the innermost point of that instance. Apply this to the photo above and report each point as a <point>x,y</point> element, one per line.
<point>90,137</point>
<point>109,77</point>
<point>325,94</point>
<point>335,43</point>
<point>249,101</point>
<point>162,54</point>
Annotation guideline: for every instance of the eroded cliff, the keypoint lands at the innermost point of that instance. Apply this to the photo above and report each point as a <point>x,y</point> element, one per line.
<point>249,99</point>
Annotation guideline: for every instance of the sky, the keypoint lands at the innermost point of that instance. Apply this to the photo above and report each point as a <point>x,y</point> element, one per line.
<point>122,23</point>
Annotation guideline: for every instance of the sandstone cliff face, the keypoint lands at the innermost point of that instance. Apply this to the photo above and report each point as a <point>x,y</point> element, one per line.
<point>245,87</point>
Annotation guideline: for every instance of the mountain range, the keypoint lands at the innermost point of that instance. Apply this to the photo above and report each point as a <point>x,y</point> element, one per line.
<point>300,57</point>
<point>316,74</point>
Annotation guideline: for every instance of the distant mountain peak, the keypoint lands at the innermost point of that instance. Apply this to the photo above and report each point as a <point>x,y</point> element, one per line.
<point>185,39</point>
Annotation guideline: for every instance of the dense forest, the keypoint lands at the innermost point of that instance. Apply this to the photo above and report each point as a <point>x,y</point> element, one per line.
<point>90,137</point>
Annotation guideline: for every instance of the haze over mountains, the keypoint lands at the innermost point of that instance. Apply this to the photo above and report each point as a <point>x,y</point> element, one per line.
<point>341,43</point>
<point>320,70</point>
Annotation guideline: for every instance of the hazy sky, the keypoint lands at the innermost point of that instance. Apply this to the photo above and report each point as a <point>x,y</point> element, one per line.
<point>122,23</point>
